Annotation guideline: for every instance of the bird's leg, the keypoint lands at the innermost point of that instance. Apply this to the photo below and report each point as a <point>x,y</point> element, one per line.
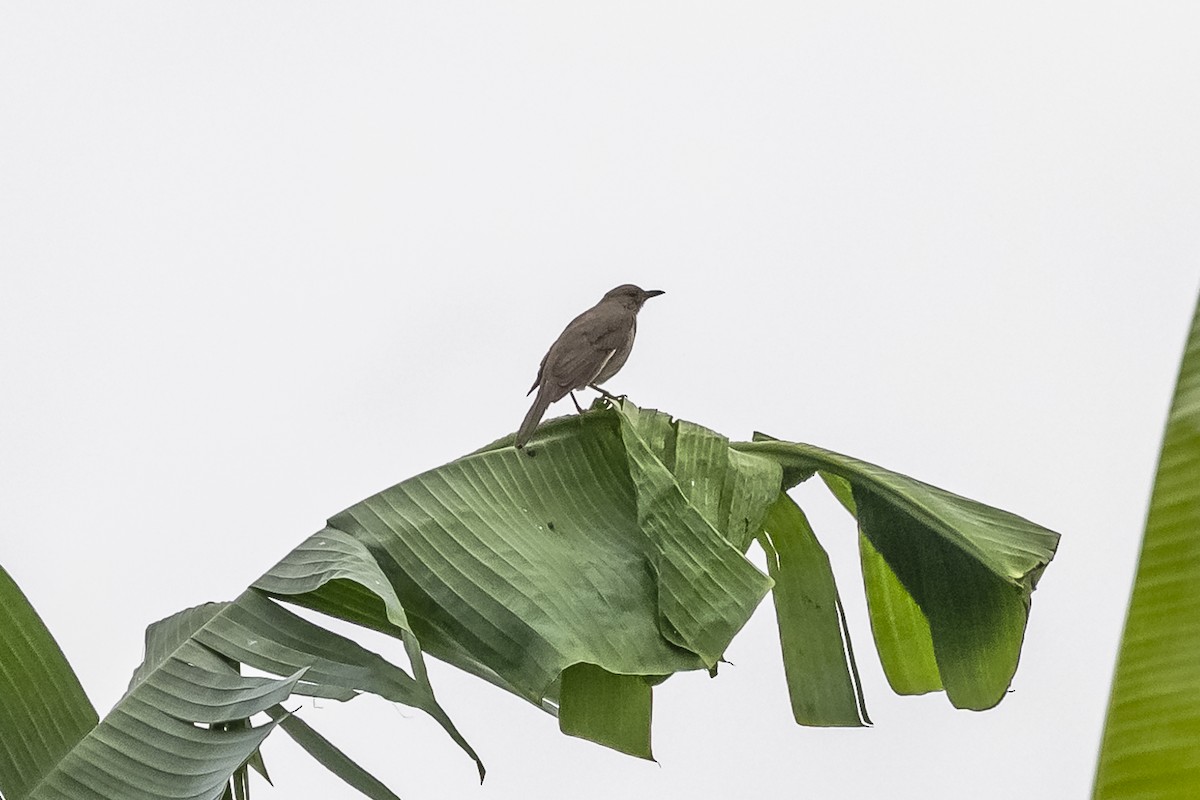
<point>576,402</point>
<point>610,398</point>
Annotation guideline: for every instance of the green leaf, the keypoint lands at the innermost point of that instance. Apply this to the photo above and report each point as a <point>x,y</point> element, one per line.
<point>1151,745</point>
<point>592,546</point>
<point>335,574</point>
<point>900,628</point>
<point>329,756</point>
<point>613,710</point>
<point>581,549</point>
<point>817,658</point>
<point>43,709</point>
<point>706,588</point>
<point>258,765</point>
<point>841,490</point>
<point>140,752</point>
<point>731,490</point>
<point>151,745</point>
<point>970,567</point>
<point>576,574</point>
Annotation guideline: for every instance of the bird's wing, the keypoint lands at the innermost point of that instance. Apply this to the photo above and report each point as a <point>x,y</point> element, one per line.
<point>582,351</point>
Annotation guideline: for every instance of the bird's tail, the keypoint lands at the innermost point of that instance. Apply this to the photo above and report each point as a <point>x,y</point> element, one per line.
<point>540,404</point>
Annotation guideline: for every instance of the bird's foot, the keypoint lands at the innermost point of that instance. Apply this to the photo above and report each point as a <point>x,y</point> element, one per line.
<point>612,398</point>
<point>576,402</point>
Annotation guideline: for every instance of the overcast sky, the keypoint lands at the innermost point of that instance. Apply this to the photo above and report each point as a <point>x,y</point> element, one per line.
<point>261,260</point>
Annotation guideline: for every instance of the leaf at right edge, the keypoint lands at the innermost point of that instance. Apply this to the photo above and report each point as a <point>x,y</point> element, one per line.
<point>899,626</point>
<point>330,756</point>
<point>818,661</point>
<point>1151,744</point>
<point>613,710</point>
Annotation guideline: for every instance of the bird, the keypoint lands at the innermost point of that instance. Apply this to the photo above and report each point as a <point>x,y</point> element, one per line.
<point>589,351</point>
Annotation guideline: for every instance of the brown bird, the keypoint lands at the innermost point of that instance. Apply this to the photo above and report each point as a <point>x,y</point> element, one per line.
<point>589,351</point>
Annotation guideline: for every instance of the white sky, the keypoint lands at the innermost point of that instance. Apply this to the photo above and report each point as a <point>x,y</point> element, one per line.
<point>260,260</point>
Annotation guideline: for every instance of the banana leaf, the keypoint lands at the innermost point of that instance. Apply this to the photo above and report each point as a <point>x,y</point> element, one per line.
<point>1151,744</point>
<point>577,573</point>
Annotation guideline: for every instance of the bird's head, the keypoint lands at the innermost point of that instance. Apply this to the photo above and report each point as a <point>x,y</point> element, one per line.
<point>630,296</point>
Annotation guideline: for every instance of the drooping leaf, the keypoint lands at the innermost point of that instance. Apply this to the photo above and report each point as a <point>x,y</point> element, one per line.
<point>613,710</point>
<point>817,658</point>
<point>970,568</point>
<point>333,573</point>
<point>1151,745</point>
<point>146,749</point>
<point>181,729</point>
<point>900,627</point>
<point>330,756</point>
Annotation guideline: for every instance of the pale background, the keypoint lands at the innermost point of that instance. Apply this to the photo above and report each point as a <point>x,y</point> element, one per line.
<point>260,260</point>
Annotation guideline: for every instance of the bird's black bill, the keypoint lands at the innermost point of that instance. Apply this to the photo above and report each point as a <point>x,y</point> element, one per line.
<point>654,292</point>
